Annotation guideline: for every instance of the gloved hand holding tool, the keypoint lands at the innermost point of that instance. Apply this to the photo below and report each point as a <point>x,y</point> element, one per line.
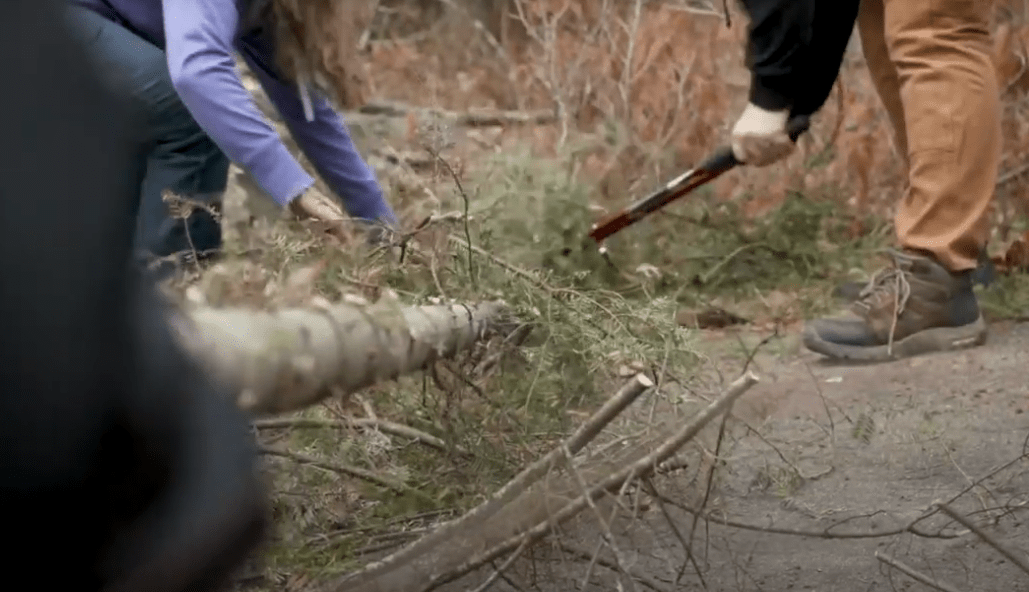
<point>760,138</point>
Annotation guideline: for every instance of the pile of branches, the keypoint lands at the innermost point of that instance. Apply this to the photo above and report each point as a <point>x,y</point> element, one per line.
<point>289,359</point>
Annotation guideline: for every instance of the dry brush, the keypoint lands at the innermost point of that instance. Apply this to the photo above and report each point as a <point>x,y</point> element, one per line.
<point>545,495</point>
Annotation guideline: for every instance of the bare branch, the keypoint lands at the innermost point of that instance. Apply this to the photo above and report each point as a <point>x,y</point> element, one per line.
<point>826,533</point>
<point>1012,556</point>
<point>605,528</point>
<point>499,572</point>
<point>349,471</point>
<point>691,559</point>
<point>915,574</point>
<point>638,469</point>
<point>292,358</point>
<point>386,427</point>
<point>478,516</point>
<point>587,556</point>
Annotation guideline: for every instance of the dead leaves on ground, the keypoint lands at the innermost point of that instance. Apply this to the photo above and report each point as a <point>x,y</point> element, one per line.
<point>1015,258</point>
<point>708,318</point>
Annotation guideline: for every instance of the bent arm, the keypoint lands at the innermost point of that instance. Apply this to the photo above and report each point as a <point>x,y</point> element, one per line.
<point>795,49</point>
<point>199,36</point>
<point>324,139</point>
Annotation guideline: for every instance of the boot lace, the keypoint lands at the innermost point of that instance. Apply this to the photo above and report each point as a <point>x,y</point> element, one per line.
<point>889,279</point>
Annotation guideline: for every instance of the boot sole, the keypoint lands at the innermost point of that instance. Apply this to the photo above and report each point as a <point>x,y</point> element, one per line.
<point>929,341</point>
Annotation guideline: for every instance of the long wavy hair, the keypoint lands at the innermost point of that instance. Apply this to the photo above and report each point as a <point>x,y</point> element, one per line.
<point>316,42</point>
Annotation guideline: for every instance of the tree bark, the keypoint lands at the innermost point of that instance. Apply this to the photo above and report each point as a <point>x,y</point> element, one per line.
<point>289,359</point>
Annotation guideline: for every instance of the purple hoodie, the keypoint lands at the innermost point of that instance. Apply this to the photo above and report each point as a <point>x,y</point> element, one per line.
<point>200,38</point>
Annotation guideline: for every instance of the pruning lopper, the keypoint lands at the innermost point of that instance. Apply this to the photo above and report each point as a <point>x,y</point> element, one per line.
<point>722,161</point>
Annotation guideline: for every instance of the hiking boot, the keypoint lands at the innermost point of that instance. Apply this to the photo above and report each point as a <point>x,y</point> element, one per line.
<point>912,307</point>
<point>984,275</point>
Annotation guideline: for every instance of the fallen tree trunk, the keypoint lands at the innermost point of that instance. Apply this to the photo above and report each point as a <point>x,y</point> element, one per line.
<point>290,359</point>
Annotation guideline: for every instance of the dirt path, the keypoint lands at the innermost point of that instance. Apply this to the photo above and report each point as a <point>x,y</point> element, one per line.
<point>937,423</point>
<point>874,447</point>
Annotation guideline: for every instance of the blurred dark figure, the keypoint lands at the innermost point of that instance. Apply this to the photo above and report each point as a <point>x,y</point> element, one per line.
<point>122,467</point>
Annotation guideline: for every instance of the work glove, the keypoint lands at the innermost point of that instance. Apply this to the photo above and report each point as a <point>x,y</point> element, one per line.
<point>759,137</point>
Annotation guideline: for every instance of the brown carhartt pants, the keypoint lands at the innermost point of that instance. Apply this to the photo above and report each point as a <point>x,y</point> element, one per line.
<point>932,67</point>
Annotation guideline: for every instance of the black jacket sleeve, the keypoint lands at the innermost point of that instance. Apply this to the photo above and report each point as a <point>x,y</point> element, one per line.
<point>795,49</point>
<point>113,437</point>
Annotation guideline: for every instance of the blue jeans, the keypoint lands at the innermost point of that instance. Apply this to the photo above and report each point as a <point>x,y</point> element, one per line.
<point>182,157</point>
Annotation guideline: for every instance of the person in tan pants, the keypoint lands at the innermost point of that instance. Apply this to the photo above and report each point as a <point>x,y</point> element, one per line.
<point>931,61</point>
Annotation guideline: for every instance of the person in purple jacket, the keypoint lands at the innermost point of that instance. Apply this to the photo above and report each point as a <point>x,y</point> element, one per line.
<point>176,58</point>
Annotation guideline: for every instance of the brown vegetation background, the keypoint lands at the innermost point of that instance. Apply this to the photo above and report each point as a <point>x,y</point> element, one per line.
<point>658,84</point>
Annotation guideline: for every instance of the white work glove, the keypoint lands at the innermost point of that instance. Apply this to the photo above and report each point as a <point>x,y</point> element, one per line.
<point>759,137</point>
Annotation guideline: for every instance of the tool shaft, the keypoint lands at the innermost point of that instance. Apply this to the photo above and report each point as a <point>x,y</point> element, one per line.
<point>722,161</point>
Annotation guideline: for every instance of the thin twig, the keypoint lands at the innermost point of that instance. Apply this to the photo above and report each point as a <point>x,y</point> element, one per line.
<point>349,471</point>
<point>493,42</point>
<point>814,534</point>
<point>508,266</point>
<point>407,520</point>
<point>467,204</point>
<point>626,85</point>
<point>407,237</point>
<point>915,574</point>
<point>498,572</point>
<point>649,484</point>
<point>594,561</point>
<point>1020,562</point>
<point>515,487</point>
<point>698,11</point>
<point>1013,174</point>
<point>782,456</point>
<point>825,404</point>
<point>394,539</point>
<point>977,482</point>
<point>605,528</point>
<point>377,547</point>
<point>752,354</point>
<point>704,279</point>
<point>584,554</point>
<point>618,480</point>
<point>978,494</point>
<point>710,477</point>
<point>386,427</point>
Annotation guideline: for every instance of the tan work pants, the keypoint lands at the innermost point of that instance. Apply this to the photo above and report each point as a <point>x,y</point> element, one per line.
<point>932,67</point>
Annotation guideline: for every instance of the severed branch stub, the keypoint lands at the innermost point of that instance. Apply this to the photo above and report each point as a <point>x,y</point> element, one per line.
<point>289,359</point>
